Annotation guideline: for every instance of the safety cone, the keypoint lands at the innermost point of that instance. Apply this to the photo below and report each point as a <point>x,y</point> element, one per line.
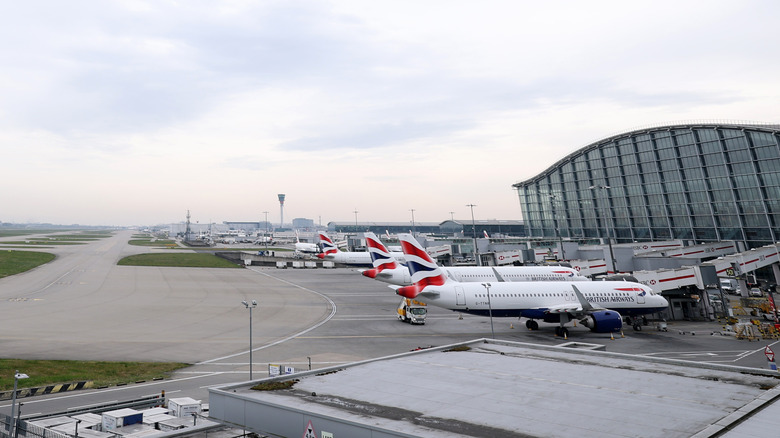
<point>511,325</point>
<point>621,334</point>
<point>611,336</point>
<point>565,335</point>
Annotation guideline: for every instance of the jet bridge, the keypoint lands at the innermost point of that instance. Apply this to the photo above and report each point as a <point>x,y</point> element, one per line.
<point>725,266</point>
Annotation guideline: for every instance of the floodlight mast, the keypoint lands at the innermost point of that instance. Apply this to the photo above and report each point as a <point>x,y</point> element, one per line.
<point>606,225</point>
<point>250,307</point>
<point>17,376</point>
<point>474,235</point>
<point>490,308</point>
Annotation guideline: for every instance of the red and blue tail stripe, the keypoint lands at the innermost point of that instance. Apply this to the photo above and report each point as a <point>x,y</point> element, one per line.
<point>380,256</point>
<point>328,247</point>
<point>425,272</point>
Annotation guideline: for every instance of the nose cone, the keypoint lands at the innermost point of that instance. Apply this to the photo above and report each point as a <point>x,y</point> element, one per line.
<point>370,273</point>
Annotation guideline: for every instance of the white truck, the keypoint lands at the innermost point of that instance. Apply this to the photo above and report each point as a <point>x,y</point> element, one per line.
<point>412,311</point>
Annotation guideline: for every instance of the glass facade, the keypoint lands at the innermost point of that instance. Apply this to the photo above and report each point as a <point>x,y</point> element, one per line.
<point>702,182</point>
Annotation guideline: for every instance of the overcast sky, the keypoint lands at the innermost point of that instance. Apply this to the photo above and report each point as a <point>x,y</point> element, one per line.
<point>133,112</point>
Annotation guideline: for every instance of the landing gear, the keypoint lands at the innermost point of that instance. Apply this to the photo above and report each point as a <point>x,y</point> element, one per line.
<point>532,325</point>
<point>562,332</point>
<point>636,323</point>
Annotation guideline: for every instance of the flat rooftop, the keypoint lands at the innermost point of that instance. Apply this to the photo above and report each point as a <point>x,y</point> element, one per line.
<point>507,389</point>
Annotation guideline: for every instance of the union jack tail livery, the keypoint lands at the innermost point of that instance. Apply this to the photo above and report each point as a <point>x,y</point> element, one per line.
<point>380,256</point>
<point>486,234</point>
<point>328,247</point>
<point>425,272</point>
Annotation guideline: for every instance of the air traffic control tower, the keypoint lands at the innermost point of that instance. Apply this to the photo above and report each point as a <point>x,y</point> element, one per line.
<point>281,209</point>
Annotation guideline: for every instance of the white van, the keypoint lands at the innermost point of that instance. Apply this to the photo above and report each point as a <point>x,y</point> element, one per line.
<point>729,285</point>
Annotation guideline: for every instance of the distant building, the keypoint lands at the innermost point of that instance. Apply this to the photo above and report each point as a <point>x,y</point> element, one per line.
<point>698,182</point>
<point>382,227</point>
<point>249,227</point>
<point>300,223</point>
<point>478,228</point>
<point>449,228</point>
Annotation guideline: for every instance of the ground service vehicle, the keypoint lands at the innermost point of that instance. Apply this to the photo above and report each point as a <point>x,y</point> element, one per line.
<point>412,311</point>
<point>729,285</point>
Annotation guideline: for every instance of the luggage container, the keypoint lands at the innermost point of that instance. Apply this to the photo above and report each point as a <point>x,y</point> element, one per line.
<point>183,406</point>
<point>120,418</point>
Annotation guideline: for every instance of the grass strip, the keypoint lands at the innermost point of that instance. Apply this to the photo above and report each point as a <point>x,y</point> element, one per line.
<point>33,242</point>
<point>178,259</point>
<point>150,242</point>
<point>15,262</point>
<point>49,372</point>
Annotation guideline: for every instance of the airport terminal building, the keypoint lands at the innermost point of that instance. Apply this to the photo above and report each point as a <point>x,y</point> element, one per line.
<point>699,182</point>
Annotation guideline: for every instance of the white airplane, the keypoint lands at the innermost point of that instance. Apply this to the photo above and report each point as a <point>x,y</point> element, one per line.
<point>387,270</point>
<point>331,252</point>
<point>311,248</point>
<point>263,239</point>
<point>599,304</point>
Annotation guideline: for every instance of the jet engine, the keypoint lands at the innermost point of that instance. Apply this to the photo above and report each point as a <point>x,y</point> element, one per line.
<point>604,321</point>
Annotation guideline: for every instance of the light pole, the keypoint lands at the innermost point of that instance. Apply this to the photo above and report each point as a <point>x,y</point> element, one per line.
<point>18,417</point>
<point>17,377</point>
<point>474,234</point>
<point>412,210</point>
<point>553,198</point>
<point>490,309</point>
<point>606,225</point>
<point>250,307</point>
<point>266,232</point>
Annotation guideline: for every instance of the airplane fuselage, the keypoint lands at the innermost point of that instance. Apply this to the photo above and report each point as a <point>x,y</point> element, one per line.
<point>535,299</point>
<point>307,248</point>
<point>474,274</point>
<point>355,258</point>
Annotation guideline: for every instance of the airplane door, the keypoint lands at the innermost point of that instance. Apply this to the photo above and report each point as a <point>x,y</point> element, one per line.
<point>460,297</point>
<point>640,297</point>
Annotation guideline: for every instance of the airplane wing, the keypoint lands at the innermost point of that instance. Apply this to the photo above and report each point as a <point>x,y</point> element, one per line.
<point>573,308</point>
<point>582,307</point>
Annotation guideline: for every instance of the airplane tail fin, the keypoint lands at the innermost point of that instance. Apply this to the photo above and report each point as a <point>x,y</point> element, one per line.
<point>380,256</point>
<point>424,271</point>
<point>486,234</point>
<point>328,247</point>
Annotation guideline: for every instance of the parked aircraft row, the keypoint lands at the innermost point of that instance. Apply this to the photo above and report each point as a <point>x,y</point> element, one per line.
<point>552,294</point>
